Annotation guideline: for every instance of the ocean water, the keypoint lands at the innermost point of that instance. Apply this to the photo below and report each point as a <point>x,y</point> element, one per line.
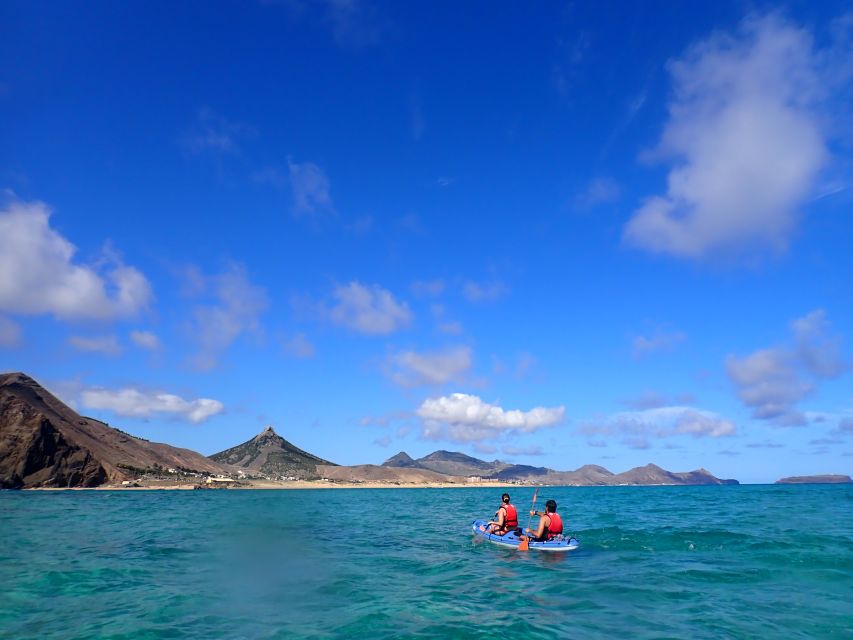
<point>655,562</point>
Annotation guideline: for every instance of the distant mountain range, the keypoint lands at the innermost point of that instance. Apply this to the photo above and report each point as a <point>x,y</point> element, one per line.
<point>270,455</point>
<point>459,464</point>
<point>45,443</point>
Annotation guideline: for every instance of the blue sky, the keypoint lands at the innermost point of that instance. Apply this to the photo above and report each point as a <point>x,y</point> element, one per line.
<point>569,233</point>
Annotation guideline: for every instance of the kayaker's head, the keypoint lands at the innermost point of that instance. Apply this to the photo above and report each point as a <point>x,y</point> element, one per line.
<point>551,506</point>
<point>505,498</point>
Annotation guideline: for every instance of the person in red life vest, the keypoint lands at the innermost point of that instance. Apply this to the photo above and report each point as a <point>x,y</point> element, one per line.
<point>550,524</point>
<point>506,517</point>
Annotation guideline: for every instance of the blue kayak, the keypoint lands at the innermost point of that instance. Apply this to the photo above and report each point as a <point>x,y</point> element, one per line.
<point>560,543</point>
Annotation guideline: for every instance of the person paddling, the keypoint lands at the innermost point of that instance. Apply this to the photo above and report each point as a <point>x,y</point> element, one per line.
<point>550,524</point>
<point>506,517</point>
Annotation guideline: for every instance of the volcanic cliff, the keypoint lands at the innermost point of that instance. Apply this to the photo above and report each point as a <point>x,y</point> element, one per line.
<point>45,443</point>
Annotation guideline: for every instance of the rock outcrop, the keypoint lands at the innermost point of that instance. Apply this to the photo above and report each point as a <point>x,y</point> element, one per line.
<point>45,443</point>
<point>821,479</point>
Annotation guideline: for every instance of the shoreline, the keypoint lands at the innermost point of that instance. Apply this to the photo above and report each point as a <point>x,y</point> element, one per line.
<point>263,485</point>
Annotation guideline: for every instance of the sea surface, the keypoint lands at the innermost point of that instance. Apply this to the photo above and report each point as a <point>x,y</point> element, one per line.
<point>655,562</point>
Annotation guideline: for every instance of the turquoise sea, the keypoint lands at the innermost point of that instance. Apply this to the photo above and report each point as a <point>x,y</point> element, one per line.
<point>655,562</point>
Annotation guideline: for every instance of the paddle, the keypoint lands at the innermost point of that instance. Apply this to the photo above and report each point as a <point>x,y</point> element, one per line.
<point>525,542</point>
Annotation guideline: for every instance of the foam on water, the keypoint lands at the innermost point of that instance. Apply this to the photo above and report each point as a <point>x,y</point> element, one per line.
<point>655,562</point>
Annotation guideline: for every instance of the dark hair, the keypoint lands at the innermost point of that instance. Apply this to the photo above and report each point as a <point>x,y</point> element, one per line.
<point>505,497</point>
<point>551,506</point>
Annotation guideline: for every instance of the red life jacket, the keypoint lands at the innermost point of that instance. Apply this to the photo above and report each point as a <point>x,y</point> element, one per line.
<point>555,525</point>
<point>511,519</point>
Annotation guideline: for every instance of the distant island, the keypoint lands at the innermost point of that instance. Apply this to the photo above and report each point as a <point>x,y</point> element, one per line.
<point>46,444</point>
<point>824,479</point>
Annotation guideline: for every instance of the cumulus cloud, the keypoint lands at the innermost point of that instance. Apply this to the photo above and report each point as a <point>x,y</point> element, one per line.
<point>10,333</point>
<point>413,369</point>
<point>38,274</point>
<point>368,309</point>
<point>646,400</point>
<point>460,417</point>
<point>451,328</point>
<point>234,309</point>
<point>523,451</point>
<point>636,428</point>
<point>311,188</point>
<point>599,191</point>
<point>212,132</point>
<point>660,340</point>
<point>105,345</point>
<point>133,403</point>
<point>428,288</point>
<point>299,347</point>
<point>486,292</point>
<point>145,340</point>
<point>773,380</point>
<point>845,427</point>
<point>746,133</point>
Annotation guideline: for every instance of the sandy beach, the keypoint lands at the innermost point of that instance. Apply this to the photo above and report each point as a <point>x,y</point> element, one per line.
<point>169,485</point>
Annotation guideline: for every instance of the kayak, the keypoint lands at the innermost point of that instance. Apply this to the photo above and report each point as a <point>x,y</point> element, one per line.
<point>510,539</point>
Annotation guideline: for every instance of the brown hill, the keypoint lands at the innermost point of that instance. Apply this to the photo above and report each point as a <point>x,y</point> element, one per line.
<point>270,455</point>
<point>453,463</point>
<point>374,473</point>
<point>45,443</point>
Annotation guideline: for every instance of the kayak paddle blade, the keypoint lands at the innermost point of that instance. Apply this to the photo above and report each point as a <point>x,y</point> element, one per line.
<point>525,544</point>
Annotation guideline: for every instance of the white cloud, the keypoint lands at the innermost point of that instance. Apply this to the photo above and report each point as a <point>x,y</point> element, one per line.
<point>745,129</point>
<point>635,428</point>
<point>299,347</point>
<point>646,400</point>
<point>484,449</point>
<point>38,274</point>
<point>452,328</point>
<point>134,403</point>
<point>311,188</point>
<point>523,451</point>
<point>772,381</point>
<point>382,441</point>
<point>818,352</point>
<point>105,345</point>
<point>213,133</point>
<point>660,340</point>
<point>10,333</point>
<point>368,309</point>
<point>431,288</point>
<point>476,292</point>
<point>599,191</point>
<point>412,369</point>
<point>145,340</point>
<point>235,310</point>
<point>465,418</point>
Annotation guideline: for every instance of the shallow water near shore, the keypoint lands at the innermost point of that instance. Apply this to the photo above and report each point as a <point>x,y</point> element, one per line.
<point>655,562</point>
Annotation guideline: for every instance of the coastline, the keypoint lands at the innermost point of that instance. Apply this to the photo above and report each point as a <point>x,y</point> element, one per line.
<point>290,485</point>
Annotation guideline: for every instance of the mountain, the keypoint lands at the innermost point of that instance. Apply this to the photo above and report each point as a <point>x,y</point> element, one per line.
<point>824,479</point>
<point>45,443</point>
<point>383,473</point>
<point>453,463</point>
<point>271,455</point>
<point>402,460</point>
<point>458,464</point>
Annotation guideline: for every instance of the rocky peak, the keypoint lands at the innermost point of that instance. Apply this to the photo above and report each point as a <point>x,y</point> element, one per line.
<point>267,432</point>
<point>402,459</point>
